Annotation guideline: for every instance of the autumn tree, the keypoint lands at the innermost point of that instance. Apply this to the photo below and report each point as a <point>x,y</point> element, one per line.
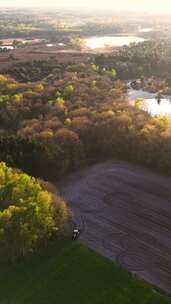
<point>28,213</point>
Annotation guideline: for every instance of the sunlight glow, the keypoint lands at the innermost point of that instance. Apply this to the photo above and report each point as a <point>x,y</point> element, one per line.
<point>159,6</point>
<point>101,42</point>
<point>154,108</point>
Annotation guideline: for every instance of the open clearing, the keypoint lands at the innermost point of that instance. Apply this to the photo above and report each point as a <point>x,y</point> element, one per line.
<point>41,52</point>
<point>66,272</point>
<point>124,213</point>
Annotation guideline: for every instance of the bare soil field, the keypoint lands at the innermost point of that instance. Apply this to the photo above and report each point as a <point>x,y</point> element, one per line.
<point>124,213</point>
<point>30,53</point>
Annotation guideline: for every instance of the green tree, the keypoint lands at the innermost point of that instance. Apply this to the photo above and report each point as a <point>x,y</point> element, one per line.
<point>58,93</point>
<point>60,102</point>
<point>94,67</point>
<point>113,73</point>
<point>26,213</point>
<point>68,91</point>
<point>17,98</point>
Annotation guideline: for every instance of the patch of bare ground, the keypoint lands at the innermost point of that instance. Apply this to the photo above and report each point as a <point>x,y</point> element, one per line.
<point>124,213</point>
<point>30,53</point>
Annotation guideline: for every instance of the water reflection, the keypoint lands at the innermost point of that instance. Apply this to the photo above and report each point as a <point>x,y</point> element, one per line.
<point>157,107</point>
<point>151,102</point>
<point>102,42</point>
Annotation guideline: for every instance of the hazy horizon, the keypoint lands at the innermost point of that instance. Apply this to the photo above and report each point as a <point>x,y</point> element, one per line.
<point>162,6</point>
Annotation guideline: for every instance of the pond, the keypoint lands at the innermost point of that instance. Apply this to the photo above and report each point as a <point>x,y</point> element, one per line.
<point>146,30</point>
<point>49,45</point>
<point>105,41</point>
<point>59,44</point>
<point>150,102</point>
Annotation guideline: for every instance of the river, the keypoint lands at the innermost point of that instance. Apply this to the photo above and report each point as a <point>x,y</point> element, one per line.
<point>150,103</point>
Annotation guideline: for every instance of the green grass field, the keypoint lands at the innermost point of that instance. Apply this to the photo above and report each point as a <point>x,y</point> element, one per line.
<point>66,272</point>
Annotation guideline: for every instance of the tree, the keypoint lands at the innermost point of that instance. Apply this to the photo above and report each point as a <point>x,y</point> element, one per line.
<point>68,90</point>
<point>39,88</point>
<point>68,122</point>
<point>17,98</point>
<point>113,73</point>
<point>71,154</point>
<point>60,102</point>
<point>27,213</point>
<point>3,80</point>
<point>58,94</point>
<point>94,67</point>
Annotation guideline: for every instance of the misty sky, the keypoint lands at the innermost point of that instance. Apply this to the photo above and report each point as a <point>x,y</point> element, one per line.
<point>159,6</point>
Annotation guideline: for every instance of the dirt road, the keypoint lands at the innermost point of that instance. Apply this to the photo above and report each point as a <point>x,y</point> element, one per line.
<point>124,213</point>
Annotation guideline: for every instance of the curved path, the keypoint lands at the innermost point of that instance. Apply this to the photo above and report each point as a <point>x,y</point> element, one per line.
<point>124,213</point>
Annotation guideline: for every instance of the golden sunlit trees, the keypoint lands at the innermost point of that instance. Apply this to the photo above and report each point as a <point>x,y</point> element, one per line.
<point>39,88</point>
<point>28,214</point>
<point>68,90</point>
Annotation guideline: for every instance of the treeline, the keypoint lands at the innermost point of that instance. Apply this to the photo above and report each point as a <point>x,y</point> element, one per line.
<point>100,29</point>
<point>129,135</point>
<point>35,70</point>
<point>150,58</point>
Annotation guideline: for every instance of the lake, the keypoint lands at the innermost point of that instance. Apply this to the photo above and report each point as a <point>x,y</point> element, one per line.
<point>102,42</point>
<point>151,104</point>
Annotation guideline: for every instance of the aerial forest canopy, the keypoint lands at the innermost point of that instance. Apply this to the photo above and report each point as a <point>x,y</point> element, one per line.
<point>85,108</point>
<point>76,115</point>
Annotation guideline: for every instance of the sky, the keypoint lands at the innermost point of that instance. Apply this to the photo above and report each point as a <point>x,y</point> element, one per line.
<point>152,6</point>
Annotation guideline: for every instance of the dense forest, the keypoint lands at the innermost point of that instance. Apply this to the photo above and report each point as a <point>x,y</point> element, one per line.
<point>150,59</point>
<point>76,115</point>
